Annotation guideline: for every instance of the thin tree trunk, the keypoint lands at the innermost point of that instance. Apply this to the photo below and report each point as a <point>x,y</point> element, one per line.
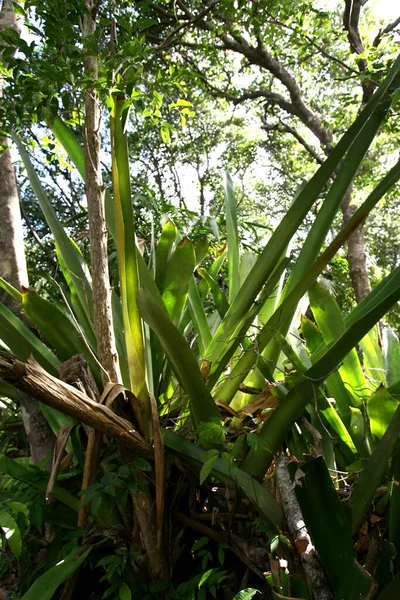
<point>95,199</point>
<point>13,269</point>
<point>356,254</point>
<point>12,256</point>
<point>143,504</point>
<point>302,541</point>
<point>103,323</point>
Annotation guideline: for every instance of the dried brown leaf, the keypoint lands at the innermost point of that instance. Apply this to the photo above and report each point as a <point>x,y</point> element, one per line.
<point>59,449</point>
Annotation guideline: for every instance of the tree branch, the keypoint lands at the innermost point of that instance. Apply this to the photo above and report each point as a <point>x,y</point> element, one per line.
<point>192,20</point>
<point>30,377</point>
<point>261,57</point>
<point>315,45</point>
<point>271,97</point>
<point>387,29</point>
<point>284,128</point>
<point>351,18</point>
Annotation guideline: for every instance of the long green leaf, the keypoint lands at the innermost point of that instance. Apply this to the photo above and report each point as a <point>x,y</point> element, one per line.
<point>22,342</point>
<point>381,407</point>
<point>392,590</point>
<point>58,329</point>
<point>11,532</point>
<point>164,249</point>
<point>372,474</point>
<point>372,357</point>
<point>46,585</point>
<point>229,388</point>
<point>391,355</point>
<point>378,293</point>
<point>147,281</point>
<point>10,289</point>
<point>118,324</point>
<point>68,140</point>
<point>334,382</point>
<point>220,299</point>
<point>84,323</point>
<point>327,524</point>
<point>154,352</point>
<point>194,314</point>
<point>283,314</point>
<point>201,323</point>
<point>127,257</point>
<point>233,239</point>
<point>183,362</point>
<point>331,324</point>
<point>332,417</point>
<point>201,249</point>
<point>198,317</point>
<point>359,584</point>
<point>73,259</point>
<point>177,279</point>
<point>366,319</point>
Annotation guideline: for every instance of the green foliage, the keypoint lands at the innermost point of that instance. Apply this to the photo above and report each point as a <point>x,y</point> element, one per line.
<point>164,306</point>
<point>116,568</point>
<point>117,485</point>
<point>46,585</point>
<point>246,594</point>
<point>209,460</point>
<point>11,532</point>
<point>191,341</point>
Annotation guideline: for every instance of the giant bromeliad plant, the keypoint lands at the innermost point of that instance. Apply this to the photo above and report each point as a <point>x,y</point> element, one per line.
<point>227,388</point>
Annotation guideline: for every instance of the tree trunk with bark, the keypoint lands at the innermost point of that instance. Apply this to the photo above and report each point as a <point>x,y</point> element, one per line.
<point>12,255</point>
<point>95,199</point>
<point>356,254</point>
<point>13,269</point>
<point>142,501</point>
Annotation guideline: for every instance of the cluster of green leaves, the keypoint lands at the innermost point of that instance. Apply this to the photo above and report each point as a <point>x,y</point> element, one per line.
<point>23,516</point>
<point>14,518</point>
<point>116,484</point>
<point>117,573</point>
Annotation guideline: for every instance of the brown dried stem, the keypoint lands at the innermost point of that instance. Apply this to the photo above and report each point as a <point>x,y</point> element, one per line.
<point>33,379</point>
